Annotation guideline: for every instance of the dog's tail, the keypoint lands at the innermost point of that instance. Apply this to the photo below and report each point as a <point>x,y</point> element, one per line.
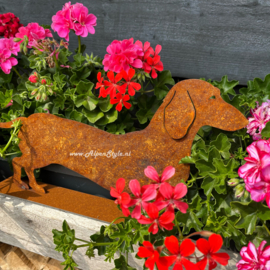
<point>10,123</point>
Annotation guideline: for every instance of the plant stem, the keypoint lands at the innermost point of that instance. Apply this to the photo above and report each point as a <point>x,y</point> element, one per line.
<point>79,41</point>
<point>115,220</point>
<point>127,257</point>
<point>15,131</point>
<point>56,62</point>
<point>96,244</point>
<point>9,154</point>
<point>82,240</point>
<point>264,225</point>
<point>179,230</point>
<point>148,91</point>
<point>16,71</point>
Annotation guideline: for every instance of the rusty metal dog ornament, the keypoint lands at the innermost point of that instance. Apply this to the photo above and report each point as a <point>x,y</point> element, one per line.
<point>190,104</point>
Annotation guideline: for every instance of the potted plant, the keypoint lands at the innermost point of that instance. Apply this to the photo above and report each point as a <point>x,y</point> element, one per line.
<point>227,193</point>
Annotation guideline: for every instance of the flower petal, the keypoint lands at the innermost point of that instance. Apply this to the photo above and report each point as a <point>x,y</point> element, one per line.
<point>215,241</point>
<point>172,244</point>
<point>167,173</point>
<point>151,173</point>
<point>135,187</point>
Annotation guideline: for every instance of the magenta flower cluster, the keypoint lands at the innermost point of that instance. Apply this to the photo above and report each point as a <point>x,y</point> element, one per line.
<point>254,258</point>
<point>256,171</point>
<point>74,17</point>
<point>8,48</point>
<point>259,117</point>
<point>34,32</point>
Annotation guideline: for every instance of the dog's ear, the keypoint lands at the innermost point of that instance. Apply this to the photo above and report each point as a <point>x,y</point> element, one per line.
<point>179,114</point>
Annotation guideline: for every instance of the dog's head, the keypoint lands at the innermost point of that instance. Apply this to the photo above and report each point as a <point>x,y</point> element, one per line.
<point>196,102</point>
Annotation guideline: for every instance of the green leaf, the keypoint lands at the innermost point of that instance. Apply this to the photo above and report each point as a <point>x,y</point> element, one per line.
<point>77,116</point>
<point>79,59</point>
<point>5,78</point>
<point>225,86</point>
<point>80,75</point>
<point>266,131</point>
<point>93,116</point>
<point>164,77</point>
<point>59,102</point>
<point>5,98</point>
<point>249,213</point>
<point>104,104</point>
<point>59,79</point>
<point>260,85</point>
<point>223,145</point>
<point>187,160</point>
<point>108,117</point>
<point>85,88</point>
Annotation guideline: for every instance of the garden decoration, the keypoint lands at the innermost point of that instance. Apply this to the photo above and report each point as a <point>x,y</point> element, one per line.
<point>215,183</point>
<point>190,104</point>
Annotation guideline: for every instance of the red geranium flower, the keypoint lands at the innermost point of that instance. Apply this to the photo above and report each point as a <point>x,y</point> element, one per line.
<point>148,251</point>
<point>172,196</point>
<point>209,249</point>
<point>100,84</point>
<point>121,100</point>
<point>112,84</point>
<point>164,221</point>
<point>132,86</point>
<point>153,64</point>
<point>9,25</point>
<point>142,197</point>
<point>151,173</point>
<point>181,253</point>
<point>123,198</point>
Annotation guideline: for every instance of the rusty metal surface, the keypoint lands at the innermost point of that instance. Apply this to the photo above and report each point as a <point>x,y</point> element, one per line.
<point>47,139</point>
<point>66,199</point>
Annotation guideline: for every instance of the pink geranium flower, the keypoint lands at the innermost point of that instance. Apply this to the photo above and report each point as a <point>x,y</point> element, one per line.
<point>259,192</point>
<point>142,197</point>
<point>34,32</point>
<point>164,221</point>
<point>62,23</point>
<point>172,196</point>
<point>83,23</point>
<point>74,17</point>
<point>122,55</point>
<point>151,173</point>
<point>123,198</point>
<point>7,48</point>
<point>254,259</point>
<point>257,167</point>
<point>260,116</point>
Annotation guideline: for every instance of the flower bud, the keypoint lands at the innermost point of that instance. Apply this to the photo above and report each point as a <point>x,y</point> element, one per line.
<point>50,91</point>
<point>43,81</point>
<point>17,39</point>
<point>38,96</point>
<point>233,182</point>
<point>44,96</point>
<point>239,191</point>
<point>34,92</point>
<point>246,195</point>
<point>33,79</point>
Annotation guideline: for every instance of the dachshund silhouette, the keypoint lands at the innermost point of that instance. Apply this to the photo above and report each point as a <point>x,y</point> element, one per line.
<point>47,139</point>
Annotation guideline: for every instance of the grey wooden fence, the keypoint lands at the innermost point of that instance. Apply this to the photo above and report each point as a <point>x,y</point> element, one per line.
<point>200,38</point>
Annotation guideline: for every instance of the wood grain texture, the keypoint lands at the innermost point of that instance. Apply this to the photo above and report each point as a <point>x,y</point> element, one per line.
<point>29,225</point>
<point>199,38</point>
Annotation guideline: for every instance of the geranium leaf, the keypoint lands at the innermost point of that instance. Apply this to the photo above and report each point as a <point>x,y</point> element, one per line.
<point>266,131</point>
<point>225,86</point>
<point>223,145</point>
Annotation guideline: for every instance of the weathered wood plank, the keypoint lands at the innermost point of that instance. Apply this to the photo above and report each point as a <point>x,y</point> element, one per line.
<point>199,38</point>
<point>29,225</point>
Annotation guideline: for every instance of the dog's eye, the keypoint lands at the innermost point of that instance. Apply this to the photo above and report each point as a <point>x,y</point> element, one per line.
<point>213,97</point>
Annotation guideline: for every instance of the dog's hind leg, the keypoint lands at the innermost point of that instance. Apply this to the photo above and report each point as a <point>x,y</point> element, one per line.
<point>17,164</point>
<point>33,182</point>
